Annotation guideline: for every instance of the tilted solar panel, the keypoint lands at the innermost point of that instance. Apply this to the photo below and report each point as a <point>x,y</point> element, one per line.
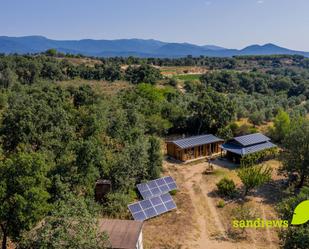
<point>196,140</point>
<point>156,187</point>
<point>247,150</point>
<point>152,207</point>
<point>251,139</point>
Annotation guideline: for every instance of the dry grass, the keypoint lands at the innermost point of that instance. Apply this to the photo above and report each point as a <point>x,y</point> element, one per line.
<point>173,70</point>
<point>171,230</point>
<point>79,61</point>
<point>100,87</point>
<point>199,223</point>
<point>261,128</point>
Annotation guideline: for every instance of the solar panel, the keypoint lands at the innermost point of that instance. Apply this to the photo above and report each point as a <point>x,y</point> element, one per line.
<point>247,150</point>
<point>152,207</point>
<point>189,142</point>
<point>251,139</point>
<point>157,187</point>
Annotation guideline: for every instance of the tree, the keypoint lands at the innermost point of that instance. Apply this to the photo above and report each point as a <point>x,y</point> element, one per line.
<point>296,156</point>
<point>51,52</point>
<point>28,71</point>
<point>226,187</point>
<point>254,176</point>
<point>225,133</point>
<point>51,71</point>
<point>72,224</point>
<point>84,95</point>
<point>154,157</point>
<point>282,125</point>
<point>257,118</point>
<point>23,194</point>
<point>7,78</point>
<point>116,205</point>
<point>112,72</point>
<point>294,236</point>
<point>39,118</point>
<point>210,111</point>
<point>144,73</point>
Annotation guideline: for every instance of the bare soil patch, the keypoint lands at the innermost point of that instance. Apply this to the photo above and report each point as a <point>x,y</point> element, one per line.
<point>199,223</point>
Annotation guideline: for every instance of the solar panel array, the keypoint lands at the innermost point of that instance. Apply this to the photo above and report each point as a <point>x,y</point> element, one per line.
<point>196,140</point>
<point>251,139</point>
<point>152,207</point>
<point>247,150</point>
<point>157,187</point>
<point>258,147</point>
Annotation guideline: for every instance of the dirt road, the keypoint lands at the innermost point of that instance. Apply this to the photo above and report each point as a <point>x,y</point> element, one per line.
<point>207,225</point>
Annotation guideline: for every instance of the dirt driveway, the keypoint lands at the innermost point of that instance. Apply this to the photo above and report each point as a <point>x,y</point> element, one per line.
<point>198,222</point>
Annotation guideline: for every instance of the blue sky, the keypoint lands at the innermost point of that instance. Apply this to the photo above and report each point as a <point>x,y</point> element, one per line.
<point>228,23</point>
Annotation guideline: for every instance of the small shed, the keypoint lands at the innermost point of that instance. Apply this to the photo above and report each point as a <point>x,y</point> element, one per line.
<point>195,147</point>
<point>102,188</point>
<point>123,234</point>
<point>241,146</point>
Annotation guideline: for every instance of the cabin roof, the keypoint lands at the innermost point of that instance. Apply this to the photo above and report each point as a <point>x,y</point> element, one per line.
<point>251,139</point>
<point>122,234</point>
<point>241,150</point>
<point>189,142</point>
<point>248,144</point>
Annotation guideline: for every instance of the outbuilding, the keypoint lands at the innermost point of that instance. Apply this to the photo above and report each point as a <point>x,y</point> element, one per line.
<point>123,234</point>
<point>196,147</point>
<point>241,146</point>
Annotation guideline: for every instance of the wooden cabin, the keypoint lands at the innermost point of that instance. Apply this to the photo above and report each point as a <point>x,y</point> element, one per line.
<point>239,147</point>
<point>196,147</point>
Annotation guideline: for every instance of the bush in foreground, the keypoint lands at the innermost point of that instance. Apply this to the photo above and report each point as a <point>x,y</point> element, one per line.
<point>226,187</point>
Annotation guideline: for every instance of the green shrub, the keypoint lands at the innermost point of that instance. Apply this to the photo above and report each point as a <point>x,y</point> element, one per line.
<point>221,204</point>
<point>226,187</point>
<point>257,157</point>
<point>172,82</point>
<point>254,176</point>
<point>116,205</point>
<point>173,192</point>
<point>294,236</point>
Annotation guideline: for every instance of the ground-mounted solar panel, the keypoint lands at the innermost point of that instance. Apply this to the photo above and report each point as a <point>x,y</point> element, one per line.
<point>157,187</point>
<point>152,207</point>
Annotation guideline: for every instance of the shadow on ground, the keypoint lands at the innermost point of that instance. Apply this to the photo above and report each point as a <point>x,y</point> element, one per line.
<point>224,163</point>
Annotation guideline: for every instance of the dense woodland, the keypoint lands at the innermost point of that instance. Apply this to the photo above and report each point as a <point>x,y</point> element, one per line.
<point>57,140</point>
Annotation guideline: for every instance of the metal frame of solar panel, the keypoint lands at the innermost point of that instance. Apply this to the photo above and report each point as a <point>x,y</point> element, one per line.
<point>156,187</point>
<point>152,207</point>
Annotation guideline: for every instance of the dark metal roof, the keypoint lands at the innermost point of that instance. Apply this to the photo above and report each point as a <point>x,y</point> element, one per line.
<point>251,139</point>
<point>240,150</point>
<point>196,141</point>
<point>122,234</point>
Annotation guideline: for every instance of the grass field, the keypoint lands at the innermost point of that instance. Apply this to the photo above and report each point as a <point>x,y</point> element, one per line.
<point>190,77</point>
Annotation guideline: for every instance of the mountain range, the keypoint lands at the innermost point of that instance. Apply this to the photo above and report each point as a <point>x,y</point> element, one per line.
<point>132,47</point>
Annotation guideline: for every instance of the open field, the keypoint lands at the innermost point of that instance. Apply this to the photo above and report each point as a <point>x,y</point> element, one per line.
<point>177,70</point>
<point>79,61</point>
<point>199,223</point>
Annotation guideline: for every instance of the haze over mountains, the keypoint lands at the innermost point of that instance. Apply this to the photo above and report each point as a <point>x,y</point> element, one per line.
<point>132,47</point>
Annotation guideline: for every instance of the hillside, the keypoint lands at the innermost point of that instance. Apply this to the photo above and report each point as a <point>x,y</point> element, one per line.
<point>132,47</point>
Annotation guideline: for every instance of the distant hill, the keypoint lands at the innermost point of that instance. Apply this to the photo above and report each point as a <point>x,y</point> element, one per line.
<point>132,47</point>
